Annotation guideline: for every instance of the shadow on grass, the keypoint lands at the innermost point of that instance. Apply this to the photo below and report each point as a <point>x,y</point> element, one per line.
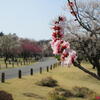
<point>32,95</point>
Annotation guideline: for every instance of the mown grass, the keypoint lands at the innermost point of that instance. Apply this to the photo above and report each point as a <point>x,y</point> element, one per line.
<point>26,88</point>
<point>10,65</point>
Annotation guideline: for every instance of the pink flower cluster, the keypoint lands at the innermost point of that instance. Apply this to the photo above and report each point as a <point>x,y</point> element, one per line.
<point>59,46</point>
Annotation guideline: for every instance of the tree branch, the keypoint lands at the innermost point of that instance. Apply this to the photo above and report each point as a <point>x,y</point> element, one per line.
<point>86,70</point>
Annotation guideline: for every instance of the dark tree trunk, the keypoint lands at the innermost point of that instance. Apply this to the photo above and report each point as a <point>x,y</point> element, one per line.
<point>6,58</point>
<point>98,71</point>
<point>93,67</point>
<point>97,65</point>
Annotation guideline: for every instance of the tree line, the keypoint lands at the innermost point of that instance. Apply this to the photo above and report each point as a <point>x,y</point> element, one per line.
<point>13,47</point>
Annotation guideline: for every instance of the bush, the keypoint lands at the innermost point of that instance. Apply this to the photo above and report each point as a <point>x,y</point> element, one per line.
<point>5,96</point>
<point>84,92</point>
<point>63,92</point>
<point>59,94</point>
<point>55,96</point>
<point>48,81</point>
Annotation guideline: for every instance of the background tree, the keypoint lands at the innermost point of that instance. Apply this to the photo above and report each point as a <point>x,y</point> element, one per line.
<point>8,44</point>
<point>1,34</point>
<point>46,51</point>
<point>13,47</point>
<point>30,48</point>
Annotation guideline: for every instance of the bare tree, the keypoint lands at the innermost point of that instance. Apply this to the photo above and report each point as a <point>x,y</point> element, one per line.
<point>87,31</point>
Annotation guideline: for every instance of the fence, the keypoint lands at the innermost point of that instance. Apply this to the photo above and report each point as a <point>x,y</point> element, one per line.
<point>31,71</point>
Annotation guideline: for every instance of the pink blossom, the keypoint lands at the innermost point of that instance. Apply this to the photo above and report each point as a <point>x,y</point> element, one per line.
<point>70,58</point>
<point>61,47</point>
<point>67,61</point>
<point>56,28</point>
<point>65,53</point>
<point>57,35</point>
<point>71,4</point>
<point>66,45</point>
<point>56,47</point>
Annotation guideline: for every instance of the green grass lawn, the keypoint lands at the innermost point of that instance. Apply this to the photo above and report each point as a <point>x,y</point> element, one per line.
<point>26,89</point>
<point>3,65</point>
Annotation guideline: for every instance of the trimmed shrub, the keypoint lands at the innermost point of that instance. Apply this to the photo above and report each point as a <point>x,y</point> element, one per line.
<point>63,92</point>
<point>5,96</point>
<point>84,92</point>
<point>59,94</point>
<point>48,81</point>
<point>55,96</point>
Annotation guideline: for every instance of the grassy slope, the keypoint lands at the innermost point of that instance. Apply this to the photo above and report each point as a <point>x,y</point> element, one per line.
<point>67,78</point>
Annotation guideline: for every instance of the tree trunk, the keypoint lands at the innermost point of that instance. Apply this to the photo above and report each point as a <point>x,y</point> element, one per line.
<point>98,71</point>
<point>93,67</point>
<point>97,65</point>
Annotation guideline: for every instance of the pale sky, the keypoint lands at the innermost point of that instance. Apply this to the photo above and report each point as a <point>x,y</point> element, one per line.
<point>29,18</point>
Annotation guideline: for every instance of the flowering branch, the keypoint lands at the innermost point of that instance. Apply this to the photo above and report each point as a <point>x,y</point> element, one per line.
<point>59,46</point>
